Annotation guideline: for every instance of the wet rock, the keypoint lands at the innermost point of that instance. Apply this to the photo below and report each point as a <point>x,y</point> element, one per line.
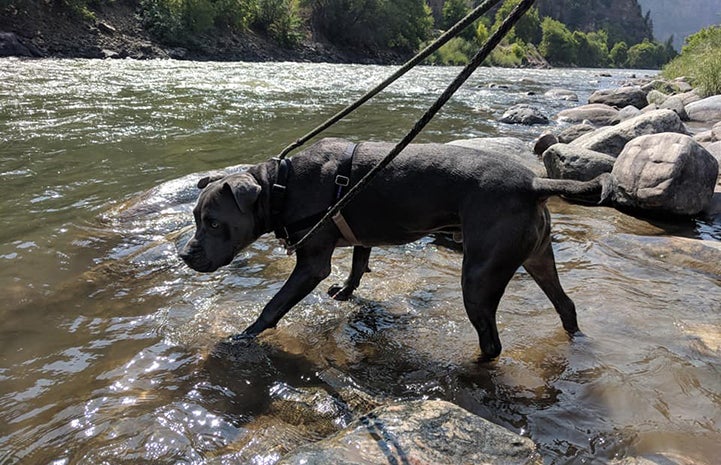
<point>314,409</point>
<point>668,173</point>
<point>597,113</point>
<point>504,147</point>
<point>620,97</point>
<point>10,46</point>
<point>428,432</point>
<point>543,142</point>
<point>656,459</point>
<point>562,94</point>
<point>523,114</point>
<point>563,161</point>
<point>656,97</point>
<point>675,103</point>
<point>572,133</point>
<point>714,148</point>
<point>706,110</point>
<point>611,140</point>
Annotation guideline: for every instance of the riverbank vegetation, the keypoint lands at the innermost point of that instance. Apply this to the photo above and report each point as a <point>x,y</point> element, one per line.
<point>700,60</point>
<point>535,37</point>
<point>375,30</point>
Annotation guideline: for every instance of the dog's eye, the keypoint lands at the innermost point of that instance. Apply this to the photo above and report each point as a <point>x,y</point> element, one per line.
<point>214,224</point>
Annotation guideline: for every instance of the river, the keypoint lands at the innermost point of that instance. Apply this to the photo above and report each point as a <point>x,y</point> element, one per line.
<point>108,342</point>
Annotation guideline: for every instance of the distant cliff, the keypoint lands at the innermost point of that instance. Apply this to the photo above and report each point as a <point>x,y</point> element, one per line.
<point>681,18</point>
<point>622,19</point>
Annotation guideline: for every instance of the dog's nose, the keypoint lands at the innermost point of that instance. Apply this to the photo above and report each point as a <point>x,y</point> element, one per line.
<point>185,254</point>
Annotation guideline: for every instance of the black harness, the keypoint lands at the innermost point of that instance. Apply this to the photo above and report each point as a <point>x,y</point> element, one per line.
<point>285,232</point>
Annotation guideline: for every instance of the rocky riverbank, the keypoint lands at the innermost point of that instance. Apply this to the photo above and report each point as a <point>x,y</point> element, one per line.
<point>115,31</point>
<point>660,139</point>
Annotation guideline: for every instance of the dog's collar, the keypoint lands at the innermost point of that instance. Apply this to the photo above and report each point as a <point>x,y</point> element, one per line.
<point>282,231</point>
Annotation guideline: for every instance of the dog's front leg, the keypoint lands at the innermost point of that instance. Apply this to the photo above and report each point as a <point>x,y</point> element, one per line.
<point>312,266</point>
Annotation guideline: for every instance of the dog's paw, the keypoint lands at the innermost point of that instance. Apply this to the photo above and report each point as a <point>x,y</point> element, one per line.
<point>242,339</point>
<point>341,293</point>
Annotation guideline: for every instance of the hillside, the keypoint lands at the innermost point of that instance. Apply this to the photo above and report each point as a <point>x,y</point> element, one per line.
<point>681,18</point>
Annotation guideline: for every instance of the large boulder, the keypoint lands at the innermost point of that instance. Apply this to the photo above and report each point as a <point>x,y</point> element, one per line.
<point>675,103</point>
<point>612,140</point>
<point>523,114</point>
<point>620,97</point>
<point>422,432</point>
<point>596,113</point>
<point>563,161</point>
<point>505,147</point>
<point>706,110</point>
<point>668,173</point>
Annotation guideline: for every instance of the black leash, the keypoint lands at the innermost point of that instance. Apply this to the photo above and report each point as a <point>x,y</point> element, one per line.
<point>476,13</point>
<point>475,62</point>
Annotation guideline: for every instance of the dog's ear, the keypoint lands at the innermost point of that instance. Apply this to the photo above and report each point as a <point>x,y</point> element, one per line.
<point>245,190</point>
<point>203,183</point>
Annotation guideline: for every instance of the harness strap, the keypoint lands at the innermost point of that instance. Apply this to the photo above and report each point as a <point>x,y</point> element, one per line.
<point>278,195</point>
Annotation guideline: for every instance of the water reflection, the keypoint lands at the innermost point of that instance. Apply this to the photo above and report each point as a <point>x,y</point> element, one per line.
<point>110,346</point>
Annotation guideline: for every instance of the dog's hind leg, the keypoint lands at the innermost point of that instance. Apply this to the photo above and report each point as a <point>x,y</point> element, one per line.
<point>541,265</point>
<point>488,266</point>
<point>361,256</point>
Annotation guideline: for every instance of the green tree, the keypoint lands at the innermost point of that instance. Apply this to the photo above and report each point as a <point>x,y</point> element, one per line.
<point>558,45</point>
<point>619,54</point>
<point>528,28</point>
<point>591,49</point>
<point>700,59</point>
<point>646,55</point>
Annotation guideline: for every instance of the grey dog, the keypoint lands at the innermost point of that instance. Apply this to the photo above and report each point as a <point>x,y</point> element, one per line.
<point>493,204</point>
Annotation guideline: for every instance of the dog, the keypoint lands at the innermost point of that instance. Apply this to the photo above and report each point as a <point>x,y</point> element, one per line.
<point>490,202</point>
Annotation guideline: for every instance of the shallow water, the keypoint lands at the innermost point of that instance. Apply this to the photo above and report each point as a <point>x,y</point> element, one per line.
<point>108,346</point>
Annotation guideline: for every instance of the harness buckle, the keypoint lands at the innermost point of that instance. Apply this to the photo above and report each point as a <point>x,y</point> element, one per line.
<point>341,180</point>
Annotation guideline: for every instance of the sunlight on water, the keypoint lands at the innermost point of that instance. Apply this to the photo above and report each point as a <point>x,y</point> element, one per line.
<point>113,351</point>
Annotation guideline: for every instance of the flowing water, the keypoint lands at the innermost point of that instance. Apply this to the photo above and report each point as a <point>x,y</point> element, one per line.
<point>109,344</point>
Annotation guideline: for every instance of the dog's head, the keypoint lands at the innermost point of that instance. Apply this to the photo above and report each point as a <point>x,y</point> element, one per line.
<point>224,221</point>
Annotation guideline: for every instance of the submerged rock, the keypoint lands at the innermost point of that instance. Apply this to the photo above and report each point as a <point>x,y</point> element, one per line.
<point>562,94</point>
<point>665,172</point>
<point>423,432</point>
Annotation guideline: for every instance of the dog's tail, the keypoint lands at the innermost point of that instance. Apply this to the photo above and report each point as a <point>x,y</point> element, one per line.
<point>602,185</point>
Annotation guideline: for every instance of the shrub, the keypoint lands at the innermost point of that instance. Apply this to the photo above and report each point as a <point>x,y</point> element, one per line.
<point>700,59</point>
<point>558,45</point>
<point>619,54</point>
<point>646,55</point>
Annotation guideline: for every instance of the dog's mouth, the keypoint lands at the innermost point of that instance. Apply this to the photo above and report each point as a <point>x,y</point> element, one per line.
<point>197,262</point>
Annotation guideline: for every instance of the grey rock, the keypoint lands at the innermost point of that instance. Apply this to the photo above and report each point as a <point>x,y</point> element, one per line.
<point>716,131</point>
<point>682,84</point>
<point>628,112</point>
<point>706,110</point>
<point>572,133</point>
<point>563,161</point>
<point>675,103</point>
<point>620,97</point>
<point>523,114</point>
<point>660,85</point>
<point>597,113</point>
<point>656,96</point>
<point>543,142</point>
<point>669,173</point>
<point>505,147</point>
<point>428,432</point>
<point>689,97</point>
<point>611,140</point>
<point>705,136</point>
<point>562,94</point>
